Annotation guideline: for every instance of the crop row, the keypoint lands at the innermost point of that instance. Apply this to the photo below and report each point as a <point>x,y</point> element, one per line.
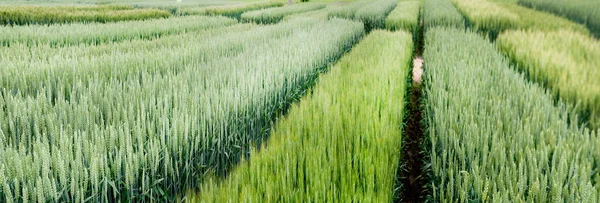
<point>341,142</point>
<point>274,15</point>
<point>147,136</point>
<point>495,137</point>
<point>235,11</point>
<point>441,13</point>
<point>371,13</point>
<point>581,11</point>
<point>566,62</point>
<point>557,53</point>
<point>99,33</point>
<point>405,16</point>
<point>25,15</point>
<point>493,18</point>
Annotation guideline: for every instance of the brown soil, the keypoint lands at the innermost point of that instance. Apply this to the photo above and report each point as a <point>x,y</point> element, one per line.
<point>413,177</point>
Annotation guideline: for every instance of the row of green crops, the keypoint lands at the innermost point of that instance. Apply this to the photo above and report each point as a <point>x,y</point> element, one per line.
<point>341,142</point>
<point>441,13</point>
<point>24,15</point>
<point>566,62</point>
<point>319,14</point>
<point>405,16</point>
<point>494,18</point>
<point>348,9</point>
<point>495,137</point>
<point>99,33</point>
<point>586,12</point>
<point>235,11</point>
<point>274,15</point>
<point>130,134</point>
<point>372,14</point>
<point>60,69</point>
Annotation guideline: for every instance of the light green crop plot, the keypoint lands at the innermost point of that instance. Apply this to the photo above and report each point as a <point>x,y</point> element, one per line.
<point>340,143</point>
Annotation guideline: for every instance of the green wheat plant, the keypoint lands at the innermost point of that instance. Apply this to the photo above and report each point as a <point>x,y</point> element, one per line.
<point>566,62</point>
<point>495,137</point>
<point>235,11</point>
<point>586,12</point>
<point>100,33</point>
<point>441,13</point>
<point>341,142</point>
<point>274,15</point>
<point>374,14</point>
<point>371,13</point>
<point>108,127</point>
<point>26,15</point>
<point>348,10</point>
<point>493,18</point>
<point>405,16</point>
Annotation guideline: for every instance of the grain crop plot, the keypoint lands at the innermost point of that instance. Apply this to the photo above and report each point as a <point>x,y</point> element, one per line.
<point>258,101</point>
<point>26,15</point>
<point>493,135</point>
<point>135,127</point>
<point>341,142</point>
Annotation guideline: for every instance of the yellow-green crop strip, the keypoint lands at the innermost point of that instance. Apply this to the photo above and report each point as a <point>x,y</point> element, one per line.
<point>25,15</point>
<point>405,16</point>
<point>566,62</point>
<point>493,18</point>
<point>341,142</point>
<point>495,137</point>
<point>144,136</point>
<point>274,15</point>
<point>100,33</point>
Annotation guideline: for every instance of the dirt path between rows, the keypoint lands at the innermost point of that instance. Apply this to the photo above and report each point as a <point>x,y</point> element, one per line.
<point>413,177</point>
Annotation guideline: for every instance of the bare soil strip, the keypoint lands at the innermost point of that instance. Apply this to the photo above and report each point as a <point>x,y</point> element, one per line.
<point>413,177</point>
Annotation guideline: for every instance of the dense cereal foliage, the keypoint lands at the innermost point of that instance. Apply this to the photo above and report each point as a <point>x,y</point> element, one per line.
<point>235,11</point>
<point>24,15</point>
<point>316,14</point>
<point>494,18</point>
<point>100,33</point>
<point>372,14</point>
<point>586,12</point>
<point>348,10</point>
<point>493,136</point>
<point>146,129</point>
<point>340,143</point>
<point>405,16</point>
<point>274,15</point>
<point>566,62</point>
<point>441,13</point>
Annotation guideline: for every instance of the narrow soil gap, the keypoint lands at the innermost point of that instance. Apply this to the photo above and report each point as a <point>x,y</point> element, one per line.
<point>412,176</point>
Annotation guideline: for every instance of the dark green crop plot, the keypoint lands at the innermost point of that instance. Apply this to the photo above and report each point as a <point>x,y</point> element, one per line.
<point>26,15</point>
<point>586,12</point>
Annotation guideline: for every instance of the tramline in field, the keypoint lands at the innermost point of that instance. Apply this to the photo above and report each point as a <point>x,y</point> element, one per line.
<point>263,101</point>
